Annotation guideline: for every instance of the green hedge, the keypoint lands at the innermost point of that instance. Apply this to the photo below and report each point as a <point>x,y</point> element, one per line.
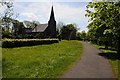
<point>9,43</point>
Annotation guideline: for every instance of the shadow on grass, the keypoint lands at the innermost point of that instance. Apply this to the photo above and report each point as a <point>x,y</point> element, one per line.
<point>110,55</point>
<point>107,49</point>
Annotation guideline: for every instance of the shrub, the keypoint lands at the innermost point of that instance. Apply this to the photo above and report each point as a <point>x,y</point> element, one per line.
<point>10,43</point>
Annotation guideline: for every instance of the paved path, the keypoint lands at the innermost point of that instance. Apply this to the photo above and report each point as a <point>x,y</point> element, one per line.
<point>91,65</point>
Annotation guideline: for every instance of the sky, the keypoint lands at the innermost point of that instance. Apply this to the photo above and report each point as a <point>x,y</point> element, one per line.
<point>66,11</point>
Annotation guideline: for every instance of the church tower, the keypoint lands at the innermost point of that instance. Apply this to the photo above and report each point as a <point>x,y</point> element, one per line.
<point>51,32</point>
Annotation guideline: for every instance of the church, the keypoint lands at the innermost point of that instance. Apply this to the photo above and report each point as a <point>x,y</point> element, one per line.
<point>48,29</point>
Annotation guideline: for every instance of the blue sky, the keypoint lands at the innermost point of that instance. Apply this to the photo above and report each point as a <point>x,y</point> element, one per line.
<point>66,11</point>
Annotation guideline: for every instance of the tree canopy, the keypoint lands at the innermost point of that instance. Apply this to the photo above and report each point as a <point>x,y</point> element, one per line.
<point>104,22</point>
<point>68,32</point>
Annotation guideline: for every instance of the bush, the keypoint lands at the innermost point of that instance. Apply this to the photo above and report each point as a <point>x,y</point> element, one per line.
<point>10,43</point>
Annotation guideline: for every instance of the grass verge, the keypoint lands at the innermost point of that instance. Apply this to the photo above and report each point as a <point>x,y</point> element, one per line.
<point>42,61</point>
<point>112,56</point>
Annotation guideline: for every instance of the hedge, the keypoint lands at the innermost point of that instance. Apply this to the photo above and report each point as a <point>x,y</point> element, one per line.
<point>10,43</point>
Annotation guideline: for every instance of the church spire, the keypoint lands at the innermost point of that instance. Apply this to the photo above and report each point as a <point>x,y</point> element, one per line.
<point>52,14</point>
<point>51,25</point>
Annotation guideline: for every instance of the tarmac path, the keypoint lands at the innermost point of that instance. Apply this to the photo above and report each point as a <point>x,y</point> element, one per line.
<point>91,65</point>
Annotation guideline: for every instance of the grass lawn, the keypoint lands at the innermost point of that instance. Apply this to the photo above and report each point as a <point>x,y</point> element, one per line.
<point>112,56</point>
<point>42,61</point>
<point>0,62</point>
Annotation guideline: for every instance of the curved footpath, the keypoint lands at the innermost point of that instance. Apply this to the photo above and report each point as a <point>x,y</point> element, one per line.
<point>91,65</point>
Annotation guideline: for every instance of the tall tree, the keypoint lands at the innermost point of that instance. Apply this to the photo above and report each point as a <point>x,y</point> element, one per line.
<point>7,14</point>
<point>68,32</point>
<point>17,27</point>
<point>83,35</point>
<point>105,19</point>
<point>59,27</point>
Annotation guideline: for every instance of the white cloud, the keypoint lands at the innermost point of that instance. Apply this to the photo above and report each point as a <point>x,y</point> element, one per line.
<point>35,11</point>
<point>30,15</point>
<point>65,10</point>
<point>70,14</point>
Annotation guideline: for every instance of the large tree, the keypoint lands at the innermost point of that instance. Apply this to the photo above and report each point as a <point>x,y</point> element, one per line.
<point>68,32</point>
<point>104,21</point>
<point>17,27</point>
<point>6,15</point>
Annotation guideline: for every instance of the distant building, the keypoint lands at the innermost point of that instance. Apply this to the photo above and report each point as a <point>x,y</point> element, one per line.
<point>48,29</point>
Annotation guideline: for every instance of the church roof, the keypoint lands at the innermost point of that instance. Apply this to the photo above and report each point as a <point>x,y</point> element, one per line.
<point>40,28</point>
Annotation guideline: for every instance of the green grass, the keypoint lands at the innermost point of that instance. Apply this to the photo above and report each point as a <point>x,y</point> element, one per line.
<point>0,62</point>
<point>42,61</point>
<point>112,56</point>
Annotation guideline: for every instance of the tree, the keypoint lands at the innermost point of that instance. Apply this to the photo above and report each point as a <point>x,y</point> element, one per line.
<point>7,15</point>
<point>17,27</point>
<point>0,29</point>
<point>7,19</point>
<point>78,36</point>
<point>68,32</point>
<point>104,21</point>
<point>60,25</point>
<point>83,35</point>
<point>58,31</point>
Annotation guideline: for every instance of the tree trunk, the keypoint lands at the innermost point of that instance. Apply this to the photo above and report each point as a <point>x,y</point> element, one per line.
<point>118,51</point>
<point>118,45</point>
<point>99,43</point>
<point>106,44</point>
